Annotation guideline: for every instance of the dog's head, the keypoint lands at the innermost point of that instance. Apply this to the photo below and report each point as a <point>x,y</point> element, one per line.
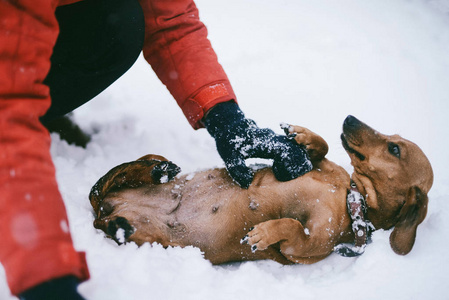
<point>395,175</point>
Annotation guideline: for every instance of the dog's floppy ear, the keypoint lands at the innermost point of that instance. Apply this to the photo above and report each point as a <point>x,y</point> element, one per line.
<point>411,215</point>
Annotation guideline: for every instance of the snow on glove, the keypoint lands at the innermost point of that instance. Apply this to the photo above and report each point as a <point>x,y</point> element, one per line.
<point>238,139</point>
<point>60,288</point>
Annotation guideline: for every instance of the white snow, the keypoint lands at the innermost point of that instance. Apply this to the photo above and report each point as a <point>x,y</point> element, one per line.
<point>303,62</point>
<point>120,235</point>
<point>164,179</point>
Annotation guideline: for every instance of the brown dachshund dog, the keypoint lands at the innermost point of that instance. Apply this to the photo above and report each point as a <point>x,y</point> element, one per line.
<point>298,221</point>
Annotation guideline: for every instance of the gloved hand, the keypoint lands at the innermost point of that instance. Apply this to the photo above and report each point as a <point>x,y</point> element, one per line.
<point>56,289</point>
<point>238,139</point>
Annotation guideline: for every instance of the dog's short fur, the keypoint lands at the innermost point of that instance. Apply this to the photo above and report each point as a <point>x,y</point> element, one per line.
<point>299,221</point>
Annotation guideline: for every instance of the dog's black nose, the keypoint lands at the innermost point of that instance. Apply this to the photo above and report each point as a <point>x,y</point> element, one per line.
<point>351,121</point>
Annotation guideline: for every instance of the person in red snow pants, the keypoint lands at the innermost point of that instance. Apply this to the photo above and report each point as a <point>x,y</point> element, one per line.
<point>57,55</point>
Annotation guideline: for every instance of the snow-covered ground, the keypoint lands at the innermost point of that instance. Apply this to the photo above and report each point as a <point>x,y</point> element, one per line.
<point>309,63</point>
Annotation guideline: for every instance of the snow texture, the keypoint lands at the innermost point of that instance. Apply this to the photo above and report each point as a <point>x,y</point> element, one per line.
<point>309,63</point>
<point>120,235</point>
<point>164,179</point>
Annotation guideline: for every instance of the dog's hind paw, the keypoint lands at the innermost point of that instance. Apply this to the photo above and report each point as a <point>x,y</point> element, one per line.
<point>164,172</point>
<point>120,230</point>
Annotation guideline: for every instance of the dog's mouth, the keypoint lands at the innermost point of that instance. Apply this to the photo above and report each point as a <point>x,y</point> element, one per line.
<point>348,148</point>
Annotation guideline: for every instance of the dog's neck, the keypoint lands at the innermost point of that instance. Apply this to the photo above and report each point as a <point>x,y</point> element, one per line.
<point>373,202</point>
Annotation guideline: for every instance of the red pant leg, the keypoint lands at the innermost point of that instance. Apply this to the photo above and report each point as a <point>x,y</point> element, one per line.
<point>35,244</point>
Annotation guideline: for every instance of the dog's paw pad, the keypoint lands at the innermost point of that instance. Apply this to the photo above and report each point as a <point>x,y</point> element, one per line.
<point>120,230</point>
<point>164,172</point>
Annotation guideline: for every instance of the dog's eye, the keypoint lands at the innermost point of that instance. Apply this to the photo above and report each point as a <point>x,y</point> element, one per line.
<point>394,149</point>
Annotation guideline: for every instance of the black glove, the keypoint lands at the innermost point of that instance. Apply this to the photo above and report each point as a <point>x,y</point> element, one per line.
<point>238,138</point>
<point>56,289</point>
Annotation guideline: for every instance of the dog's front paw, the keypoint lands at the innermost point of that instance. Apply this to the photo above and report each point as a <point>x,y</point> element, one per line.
<point>316,146</point>
<point>164,172</point>
<point>120,230</point>
<point>300,134</point>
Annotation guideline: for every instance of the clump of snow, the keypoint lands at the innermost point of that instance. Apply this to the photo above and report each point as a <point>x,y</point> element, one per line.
<point>120,235</point>
<point>310,63</point>
<point>164,179</point>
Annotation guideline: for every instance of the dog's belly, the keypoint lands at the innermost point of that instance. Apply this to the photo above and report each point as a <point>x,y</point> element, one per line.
<point>207,210</point>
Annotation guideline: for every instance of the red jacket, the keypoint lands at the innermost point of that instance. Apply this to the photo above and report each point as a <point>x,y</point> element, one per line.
<point>35,243</point>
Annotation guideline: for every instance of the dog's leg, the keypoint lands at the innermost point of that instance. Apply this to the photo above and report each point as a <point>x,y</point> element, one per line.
<point>295,243</point>
<point>316,146</point>
<point>150,169</point>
